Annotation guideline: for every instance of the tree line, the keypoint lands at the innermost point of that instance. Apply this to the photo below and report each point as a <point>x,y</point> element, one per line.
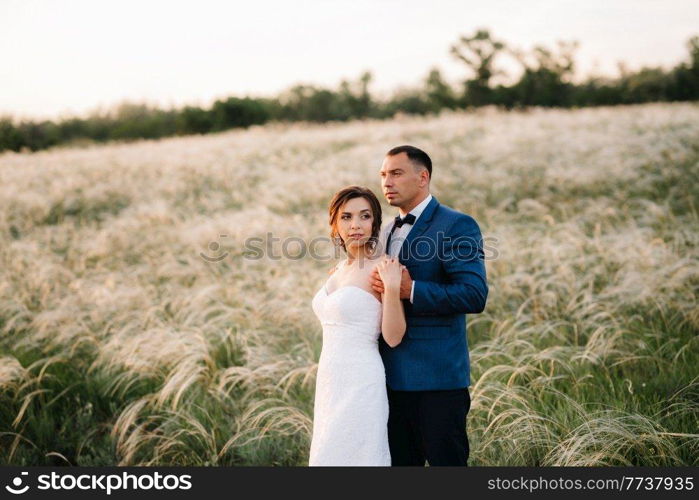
<point>546,79</point>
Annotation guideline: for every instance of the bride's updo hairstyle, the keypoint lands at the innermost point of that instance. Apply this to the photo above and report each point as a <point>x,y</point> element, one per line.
<point>342,197</point>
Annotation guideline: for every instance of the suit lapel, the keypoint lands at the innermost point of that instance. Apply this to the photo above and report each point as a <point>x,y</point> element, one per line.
<point>420,226</point>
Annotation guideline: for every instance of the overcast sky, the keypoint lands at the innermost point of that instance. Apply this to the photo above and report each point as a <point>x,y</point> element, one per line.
<point>61,57</point>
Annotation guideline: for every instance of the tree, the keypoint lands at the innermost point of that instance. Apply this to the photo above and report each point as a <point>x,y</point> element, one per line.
<point>547,77</point>
<point>194,120</point>
<point>439,94</point>
<point>478,52</point>
<point>237,112</point>
<point>356,98</point>
<point>685,77</point>
<point>10,136</point>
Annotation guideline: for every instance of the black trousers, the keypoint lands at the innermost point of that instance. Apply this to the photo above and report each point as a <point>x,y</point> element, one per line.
<point>428,425</point>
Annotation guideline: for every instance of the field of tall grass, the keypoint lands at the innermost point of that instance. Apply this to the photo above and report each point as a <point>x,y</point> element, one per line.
<point>120,343</point>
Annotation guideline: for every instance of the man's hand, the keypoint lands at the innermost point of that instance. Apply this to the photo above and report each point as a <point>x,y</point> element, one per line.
<point>406,282</point>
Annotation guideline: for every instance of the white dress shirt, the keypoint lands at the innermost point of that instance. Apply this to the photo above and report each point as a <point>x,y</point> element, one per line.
<point>401,233</point>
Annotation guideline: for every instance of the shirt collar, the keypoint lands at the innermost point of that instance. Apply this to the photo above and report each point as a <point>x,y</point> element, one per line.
<point>417,211</point>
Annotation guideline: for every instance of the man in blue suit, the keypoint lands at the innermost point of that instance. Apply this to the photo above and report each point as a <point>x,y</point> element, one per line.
<point>427,374</point>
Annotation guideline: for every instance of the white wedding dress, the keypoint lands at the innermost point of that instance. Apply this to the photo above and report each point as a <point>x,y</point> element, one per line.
<point>351,406</point>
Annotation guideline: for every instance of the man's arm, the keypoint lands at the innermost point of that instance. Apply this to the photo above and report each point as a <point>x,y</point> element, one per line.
<point>464,263</point>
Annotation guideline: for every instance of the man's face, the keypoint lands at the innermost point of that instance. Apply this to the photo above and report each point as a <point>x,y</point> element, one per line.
<point>401,182</point>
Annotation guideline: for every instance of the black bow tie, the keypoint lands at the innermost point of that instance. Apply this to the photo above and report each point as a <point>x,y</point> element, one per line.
<point>408,219</point>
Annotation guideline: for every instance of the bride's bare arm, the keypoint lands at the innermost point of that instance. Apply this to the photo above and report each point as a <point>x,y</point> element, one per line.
<point>393,319</point>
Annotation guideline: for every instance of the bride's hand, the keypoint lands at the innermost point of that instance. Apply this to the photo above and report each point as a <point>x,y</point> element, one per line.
<point>390,271</point>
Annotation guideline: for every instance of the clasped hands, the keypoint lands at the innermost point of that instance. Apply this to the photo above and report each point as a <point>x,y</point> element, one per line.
<point>385,267</point>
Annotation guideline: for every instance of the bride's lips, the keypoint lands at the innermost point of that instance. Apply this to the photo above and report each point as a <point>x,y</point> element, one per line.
<point>356,236</point>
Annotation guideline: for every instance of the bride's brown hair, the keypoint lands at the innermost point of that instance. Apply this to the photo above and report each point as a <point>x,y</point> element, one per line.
<point>342,197</point>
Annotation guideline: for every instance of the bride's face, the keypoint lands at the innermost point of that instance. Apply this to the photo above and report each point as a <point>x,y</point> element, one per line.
<point>354,222</point>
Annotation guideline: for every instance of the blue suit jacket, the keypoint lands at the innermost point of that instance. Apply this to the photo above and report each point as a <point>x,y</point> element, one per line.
<point>444,255</point>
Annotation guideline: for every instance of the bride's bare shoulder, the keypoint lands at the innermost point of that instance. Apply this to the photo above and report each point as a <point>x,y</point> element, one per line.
<point>375,262</point>
<point>337,266</point>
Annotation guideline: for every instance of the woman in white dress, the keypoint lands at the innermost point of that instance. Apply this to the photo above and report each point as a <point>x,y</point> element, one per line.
<point>351,406</point>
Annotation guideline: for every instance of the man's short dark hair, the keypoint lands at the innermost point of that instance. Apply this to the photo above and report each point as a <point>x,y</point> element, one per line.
<point>416,155</point>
